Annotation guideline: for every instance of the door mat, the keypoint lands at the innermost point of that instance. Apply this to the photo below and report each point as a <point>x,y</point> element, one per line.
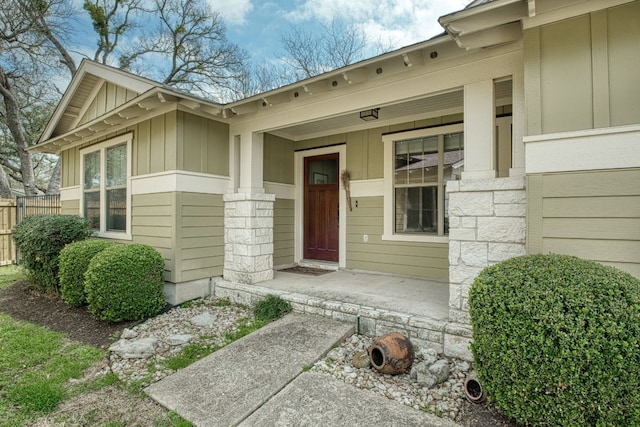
<point>306,270</point>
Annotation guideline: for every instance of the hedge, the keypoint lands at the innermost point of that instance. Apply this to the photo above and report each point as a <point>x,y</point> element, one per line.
<point>125,282</point>
<point>556,341</point>
<point>73,262</point>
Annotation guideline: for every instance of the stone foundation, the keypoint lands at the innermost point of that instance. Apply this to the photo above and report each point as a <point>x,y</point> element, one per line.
<point>422,331</point>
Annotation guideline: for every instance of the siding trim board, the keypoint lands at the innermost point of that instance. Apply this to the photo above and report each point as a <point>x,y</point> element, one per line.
<point>179,181</point>
<point>593,149</point>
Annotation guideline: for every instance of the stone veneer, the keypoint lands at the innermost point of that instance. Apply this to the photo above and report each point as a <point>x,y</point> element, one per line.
<point>248,237</point>
<point>487,224</point>
<point>423,331</point>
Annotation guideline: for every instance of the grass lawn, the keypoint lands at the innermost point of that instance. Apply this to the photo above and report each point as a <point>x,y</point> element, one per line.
<point>36,364</point>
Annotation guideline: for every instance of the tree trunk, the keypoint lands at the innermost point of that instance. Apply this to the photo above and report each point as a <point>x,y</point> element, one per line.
<point>54,183</point>
<point>17,132</point>
<point>5,189</point>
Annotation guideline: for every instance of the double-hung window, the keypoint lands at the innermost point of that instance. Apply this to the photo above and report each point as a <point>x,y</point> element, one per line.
<point>418,165</point>
<point>105,198</point>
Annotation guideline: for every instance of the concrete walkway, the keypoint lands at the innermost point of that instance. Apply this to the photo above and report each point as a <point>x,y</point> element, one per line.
<point>259,381</point>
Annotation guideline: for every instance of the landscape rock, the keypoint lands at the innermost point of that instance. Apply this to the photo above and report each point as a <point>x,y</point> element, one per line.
<point>180,339</point>
<point>135,349</point>
<point>204,320</point>
<point>361,360</point>
<point>337,353</point>
<point>430,375</point>
<point>128,334</point>
<point>428,355</point>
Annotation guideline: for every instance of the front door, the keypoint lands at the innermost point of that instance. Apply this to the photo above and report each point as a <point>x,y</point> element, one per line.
<point>321,207</point>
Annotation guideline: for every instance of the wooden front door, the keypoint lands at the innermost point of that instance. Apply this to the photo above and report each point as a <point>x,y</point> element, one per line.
<point>321,207</point>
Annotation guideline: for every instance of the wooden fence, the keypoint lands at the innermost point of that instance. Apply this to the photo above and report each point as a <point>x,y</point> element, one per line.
<point>7,222</point>
<point>13,211</point>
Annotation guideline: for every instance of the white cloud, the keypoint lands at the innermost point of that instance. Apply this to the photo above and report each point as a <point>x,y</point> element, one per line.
<point>401,22</point>
<point>234,11</point>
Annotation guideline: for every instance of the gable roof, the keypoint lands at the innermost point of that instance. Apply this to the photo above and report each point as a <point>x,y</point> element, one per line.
<point>81,90</point>
<point>65,128</point>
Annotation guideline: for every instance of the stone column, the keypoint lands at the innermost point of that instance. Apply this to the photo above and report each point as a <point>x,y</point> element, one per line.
<point>248,237</point>
<point>486,225</point>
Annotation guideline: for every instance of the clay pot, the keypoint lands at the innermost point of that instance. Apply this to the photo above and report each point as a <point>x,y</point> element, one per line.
<point>391,353</point>
<point>473,389</point>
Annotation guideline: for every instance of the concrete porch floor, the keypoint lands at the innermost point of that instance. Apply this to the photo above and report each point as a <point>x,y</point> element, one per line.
<point>393,293</point>
<point>375,304</point>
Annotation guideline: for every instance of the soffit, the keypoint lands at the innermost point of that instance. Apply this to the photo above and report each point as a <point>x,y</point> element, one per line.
<point>415,109</point>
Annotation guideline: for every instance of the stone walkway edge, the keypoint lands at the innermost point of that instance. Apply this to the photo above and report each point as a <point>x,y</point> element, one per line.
<point>232,383</point>
<point>451,339</point>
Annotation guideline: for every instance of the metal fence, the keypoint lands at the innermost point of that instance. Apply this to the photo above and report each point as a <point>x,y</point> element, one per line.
<point>37,205</point>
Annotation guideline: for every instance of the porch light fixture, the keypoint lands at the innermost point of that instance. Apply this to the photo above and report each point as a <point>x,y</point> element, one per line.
<point>368,115</point>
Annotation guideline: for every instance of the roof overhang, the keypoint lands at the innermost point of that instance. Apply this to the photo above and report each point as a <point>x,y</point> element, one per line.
<point>152,102</point>
<point>486,25</point>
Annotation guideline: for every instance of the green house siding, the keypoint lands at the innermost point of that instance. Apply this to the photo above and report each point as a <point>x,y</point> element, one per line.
<point>202,145</point>
<point>430,260</point>
<point>153,224</point>
<point>108,97</point>
<point>581,73</point>
<point>278,159</point>
<point>283,232</point>
<point>593,215</point>
<point>70,207</point>
<point>171,141</point>
<point>200,236</point>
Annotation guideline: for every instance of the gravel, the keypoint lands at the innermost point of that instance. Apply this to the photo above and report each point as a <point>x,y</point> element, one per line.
<point>444,399</point>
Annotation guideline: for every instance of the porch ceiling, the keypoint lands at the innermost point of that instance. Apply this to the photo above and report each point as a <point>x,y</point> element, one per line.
<point>415,109</point>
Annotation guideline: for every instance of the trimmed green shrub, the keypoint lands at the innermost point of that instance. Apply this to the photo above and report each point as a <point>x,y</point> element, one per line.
<point>270,308</point>
<point>40,238</point>
<point>73,262</point>
<point>125,282</point>
<point>556,341</point>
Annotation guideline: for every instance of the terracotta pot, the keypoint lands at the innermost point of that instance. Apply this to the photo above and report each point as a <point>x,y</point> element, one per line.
<point>392,353</point>
<point>473,389</point>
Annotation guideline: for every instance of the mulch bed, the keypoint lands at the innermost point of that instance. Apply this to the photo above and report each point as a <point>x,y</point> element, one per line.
<point>22,302</point>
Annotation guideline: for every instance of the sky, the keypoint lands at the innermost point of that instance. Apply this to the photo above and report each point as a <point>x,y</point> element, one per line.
<point>258,25</point>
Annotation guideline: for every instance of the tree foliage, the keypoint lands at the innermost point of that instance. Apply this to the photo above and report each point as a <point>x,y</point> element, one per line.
<point>309,54</point>
<point>180,43</point>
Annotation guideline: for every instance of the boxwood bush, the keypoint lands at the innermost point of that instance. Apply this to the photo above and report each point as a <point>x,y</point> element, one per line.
<point>40,238</point>
<point>73,262</point>
<point>557,341</point>
<point>125,282</point>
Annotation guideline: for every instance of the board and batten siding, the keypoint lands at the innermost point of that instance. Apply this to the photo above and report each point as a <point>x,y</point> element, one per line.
<point>107,98</point>
<point>582,73</point>
<point>153,224</point>
<point>283,232</point>
<point>278,159</point>
<point>171,141</point>
<point>429,260</point>
<point>202,145</point>
<point>593,215</point>
<point>200,236</point>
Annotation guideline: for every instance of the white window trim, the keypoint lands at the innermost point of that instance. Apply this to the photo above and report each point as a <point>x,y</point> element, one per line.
<point>388,195</point>
<point>125,138</point>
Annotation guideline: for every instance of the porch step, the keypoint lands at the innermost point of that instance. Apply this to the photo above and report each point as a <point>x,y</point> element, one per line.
<point>322,265</point>
<point>446,337</point>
